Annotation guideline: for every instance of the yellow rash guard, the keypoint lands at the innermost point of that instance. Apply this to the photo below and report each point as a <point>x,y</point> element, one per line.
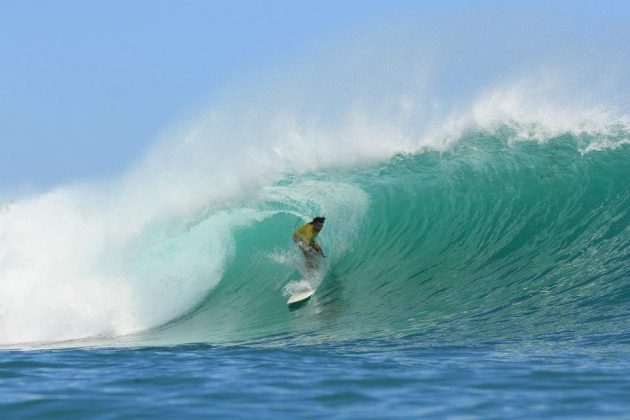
<point>305,234</point>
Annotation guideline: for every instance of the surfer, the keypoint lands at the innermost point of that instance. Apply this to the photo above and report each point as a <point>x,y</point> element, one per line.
<point>304,238</point>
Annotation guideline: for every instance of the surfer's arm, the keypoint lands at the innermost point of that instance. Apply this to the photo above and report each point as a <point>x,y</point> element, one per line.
<point>317,248</point>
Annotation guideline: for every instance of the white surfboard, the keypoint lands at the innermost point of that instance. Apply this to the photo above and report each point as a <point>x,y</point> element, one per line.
<point>300,297</point>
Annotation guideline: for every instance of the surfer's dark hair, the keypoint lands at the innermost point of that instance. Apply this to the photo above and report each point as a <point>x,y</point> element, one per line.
<point>318,219</point>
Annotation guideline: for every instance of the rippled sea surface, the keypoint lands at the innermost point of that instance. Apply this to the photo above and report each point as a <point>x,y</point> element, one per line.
<point>353,379</point>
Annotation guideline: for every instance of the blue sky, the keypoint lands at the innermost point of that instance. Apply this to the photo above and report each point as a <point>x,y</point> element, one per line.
<point>86,87</point>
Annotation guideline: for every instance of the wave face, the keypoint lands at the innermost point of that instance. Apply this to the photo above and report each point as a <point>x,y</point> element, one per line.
<point>491,240</point>
<point>494,237</point>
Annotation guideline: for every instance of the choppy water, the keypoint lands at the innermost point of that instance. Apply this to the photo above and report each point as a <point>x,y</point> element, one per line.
<point>366,378</point>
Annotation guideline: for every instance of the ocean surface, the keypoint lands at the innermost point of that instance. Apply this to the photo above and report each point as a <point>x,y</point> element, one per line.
<point>488,279</point>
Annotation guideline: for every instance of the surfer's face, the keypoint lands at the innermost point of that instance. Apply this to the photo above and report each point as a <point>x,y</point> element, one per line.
<point>317,226</point>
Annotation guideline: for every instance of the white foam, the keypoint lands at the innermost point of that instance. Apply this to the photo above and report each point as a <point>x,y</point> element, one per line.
<point>74,264</point>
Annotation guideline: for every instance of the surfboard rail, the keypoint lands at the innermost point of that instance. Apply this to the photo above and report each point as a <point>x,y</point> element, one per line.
<point>300,297</point>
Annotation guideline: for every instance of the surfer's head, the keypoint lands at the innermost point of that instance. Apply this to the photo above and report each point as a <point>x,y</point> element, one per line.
<point>318,223</point>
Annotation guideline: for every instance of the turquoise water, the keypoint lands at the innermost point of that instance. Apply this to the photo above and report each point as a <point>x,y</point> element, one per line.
<point>486,242</point>
<point>488,279</point>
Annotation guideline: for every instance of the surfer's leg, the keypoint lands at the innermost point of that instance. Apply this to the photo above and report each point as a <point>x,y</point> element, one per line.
<point>310,262</point>
<point>308,256</point>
